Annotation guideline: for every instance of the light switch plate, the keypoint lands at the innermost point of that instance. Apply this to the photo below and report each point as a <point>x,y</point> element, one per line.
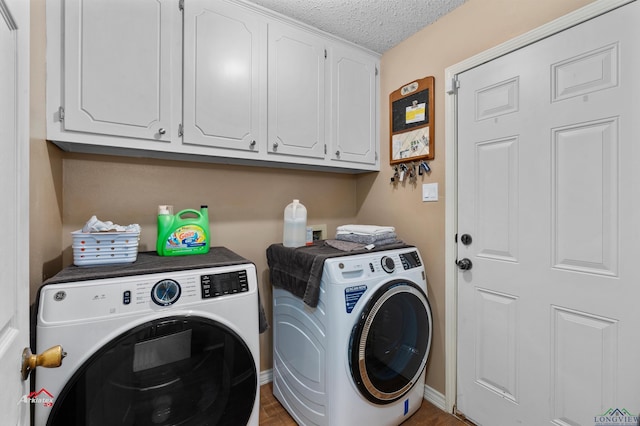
<point>429,192</point>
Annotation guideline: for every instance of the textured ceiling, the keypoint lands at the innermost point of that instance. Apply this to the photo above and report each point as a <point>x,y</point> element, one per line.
<point>375,24</point>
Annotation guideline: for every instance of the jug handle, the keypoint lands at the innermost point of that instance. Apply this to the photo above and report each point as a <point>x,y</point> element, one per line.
<point>192,211</point>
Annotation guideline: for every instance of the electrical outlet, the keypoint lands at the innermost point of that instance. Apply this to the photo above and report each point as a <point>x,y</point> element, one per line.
<point>319,232</point>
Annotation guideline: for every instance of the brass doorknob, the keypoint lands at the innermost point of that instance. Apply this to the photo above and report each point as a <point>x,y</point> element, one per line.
<point>51,358</point>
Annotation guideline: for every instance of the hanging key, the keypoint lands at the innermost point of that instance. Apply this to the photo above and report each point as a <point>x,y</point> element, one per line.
<point>403,170</point>
<point>396,176</point>
<point>412,173</point>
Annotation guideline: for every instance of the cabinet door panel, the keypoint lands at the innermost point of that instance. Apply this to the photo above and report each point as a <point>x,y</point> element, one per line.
<point>296,92</point>
<point>224,76</point>
<point>353,107</point>
<point>117,67</point>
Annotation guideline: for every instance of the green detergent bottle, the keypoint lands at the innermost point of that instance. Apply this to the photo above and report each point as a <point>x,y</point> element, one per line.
<point>186,232</point>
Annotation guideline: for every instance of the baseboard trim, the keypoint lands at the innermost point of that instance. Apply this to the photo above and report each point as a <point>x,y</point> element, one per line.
<point>434,397</point>
<point>430,394</point>
<point>266,376</point>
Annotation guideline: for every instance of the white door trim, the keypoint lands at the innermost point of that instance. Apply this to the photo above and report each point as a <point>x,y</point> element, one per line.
<point>451,154</point>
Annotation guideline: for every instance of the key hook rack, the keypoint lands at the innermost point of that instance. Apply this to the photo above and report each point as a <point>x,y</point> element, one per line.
<point>412,170</point>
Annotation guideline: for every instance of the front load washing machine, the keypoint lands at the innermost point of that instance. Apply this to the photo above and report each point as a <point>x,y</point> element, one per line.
<point>178,346</point>
<point>359,357</point>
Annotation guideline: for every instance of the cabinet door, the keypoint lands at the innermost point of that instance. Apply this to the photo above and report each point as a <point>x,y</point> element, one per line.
<point>354,101</point>
<point>224,76</point>
<point>118,67</point>
<point>296,92</point>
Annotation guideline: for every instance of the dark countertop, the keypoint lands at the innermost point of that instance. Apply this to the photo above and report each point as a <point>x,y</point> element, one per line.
<point>150,263</point>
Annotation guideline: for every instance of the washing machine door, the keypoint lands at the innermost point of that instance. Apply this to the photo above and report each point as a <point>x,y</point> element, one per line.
<point>390,343</point>
<point>173,371</point>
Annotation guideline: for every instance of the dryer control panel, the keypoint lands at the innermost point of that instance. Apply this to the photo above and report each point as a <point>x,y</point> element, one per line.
<point>216,285</point>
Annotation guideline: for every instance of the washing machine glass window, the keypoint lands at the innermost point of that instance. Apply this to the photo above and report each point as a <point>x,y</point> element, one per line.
<point>179,370</point>
<point>391,341</point>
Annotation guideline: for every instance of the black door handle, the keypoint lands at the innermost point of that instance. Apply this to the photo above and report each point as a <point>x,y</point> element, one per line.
<point>464,264</point>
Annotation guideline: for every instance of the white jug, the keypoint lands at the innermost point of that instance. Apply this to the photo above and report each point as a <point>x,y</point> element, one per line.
<point>295,225</point>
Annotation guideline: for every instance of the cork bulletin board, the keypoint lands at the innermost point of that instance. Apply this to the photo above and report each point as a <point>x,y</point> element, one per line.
<point>411,110</point>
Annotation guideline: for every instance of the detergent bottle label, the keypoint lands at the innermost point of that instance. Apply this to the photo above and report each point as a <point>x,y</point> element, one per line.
<point>187,236</point>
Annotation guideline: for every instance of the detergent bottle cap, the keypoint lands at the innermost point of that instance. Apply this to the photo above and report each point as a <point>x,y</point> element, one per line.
<point>165,209</point>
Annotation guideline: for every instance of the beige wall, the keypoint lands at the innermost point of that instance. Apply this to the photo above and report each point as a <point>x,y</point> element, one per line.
<point>246,203</point>
<point>45,168</point>
<point>472,28</point>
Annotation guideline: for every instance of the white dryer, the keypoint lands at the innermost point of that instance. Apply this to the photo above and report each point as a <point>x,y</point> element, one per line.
<point>175,347</point>
<point>359,357</point>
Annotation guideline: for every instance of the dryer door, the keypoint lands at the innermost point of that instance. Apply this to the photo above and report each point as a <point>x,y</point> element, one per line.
<point>173,371</point>
<point>390,344</point>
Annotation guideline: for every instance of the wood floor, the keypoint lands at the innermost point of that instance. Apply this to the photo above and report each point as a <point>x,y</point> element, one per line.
<point>273,414</point>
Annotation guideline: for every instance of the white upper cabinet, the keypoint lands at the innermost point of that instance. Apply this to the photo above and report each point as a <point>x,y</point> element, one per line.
<point>353,126</point>
<point>225,89</point>
<point>296,92</point>
<point>117,68</point>
<point>208,80</point>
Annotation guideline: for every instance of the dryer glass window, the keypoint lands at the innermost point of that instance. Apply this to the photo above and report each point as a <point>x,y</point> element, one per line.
<point>173,371</point>
<point>391,343</point>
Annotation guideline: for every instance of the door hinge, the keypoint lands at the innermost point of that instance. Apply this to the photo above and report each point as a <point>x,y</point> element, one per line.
<point>376,156</point>
<point>61,113</point>
<point>453,85</point>
<point>325,53</point>
<point>455,239</point>
<point>181,5</point>
<point>376,70</point>
<point>325,149</point>
<point>180,131</point>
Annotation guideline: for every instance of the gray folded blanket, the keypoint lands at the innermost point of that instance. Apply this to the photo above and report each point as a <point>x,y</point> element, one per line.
<point>299,270</point>
<point>383,238</point>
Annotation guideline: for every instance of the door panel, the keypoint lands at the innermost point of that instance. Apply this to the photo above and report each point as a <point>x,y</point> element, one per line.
<point>584,175</point>
<point>353,107</point>
<point>113,86</point>
<point>296,92</point>
<point>548,187</point>
<point>225,100</point>
<point>14,192</point>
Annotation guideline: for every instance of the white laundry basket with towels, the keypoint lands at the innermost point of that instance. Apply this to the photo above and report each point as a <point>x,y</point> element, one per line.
<point>102,248</point>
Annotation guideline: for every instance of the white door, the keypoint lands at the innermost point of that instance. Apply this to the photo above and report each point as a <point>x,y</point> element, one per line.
<point>14,214</point>
<point>119,65</point>
<point>549,194</point>
<point>296,86</point>
<point>225,68</point>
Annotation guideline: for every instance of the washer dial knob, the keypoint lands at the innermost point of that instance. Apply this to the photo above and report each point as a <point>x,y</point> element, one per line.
<point>388,264</point>
<point>165,292</point>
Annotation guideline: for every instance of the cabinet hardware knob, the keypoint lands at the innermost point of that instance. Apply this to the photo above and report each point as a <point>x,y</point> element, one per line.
<point>252,144</point>
<point>162,130</point>
<point>337,153</point>
<point>275,146</point>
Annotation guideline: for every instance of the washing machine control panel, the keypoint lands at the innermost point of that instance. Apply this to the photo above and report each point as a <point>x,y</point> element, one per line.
<point>410,260</point>
<point>216,285</point>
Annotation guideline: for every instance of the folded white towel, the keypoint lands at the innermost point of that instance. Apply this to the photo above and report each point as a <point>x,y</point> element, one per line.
<point>96,225</point>
<point>364,229</point>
